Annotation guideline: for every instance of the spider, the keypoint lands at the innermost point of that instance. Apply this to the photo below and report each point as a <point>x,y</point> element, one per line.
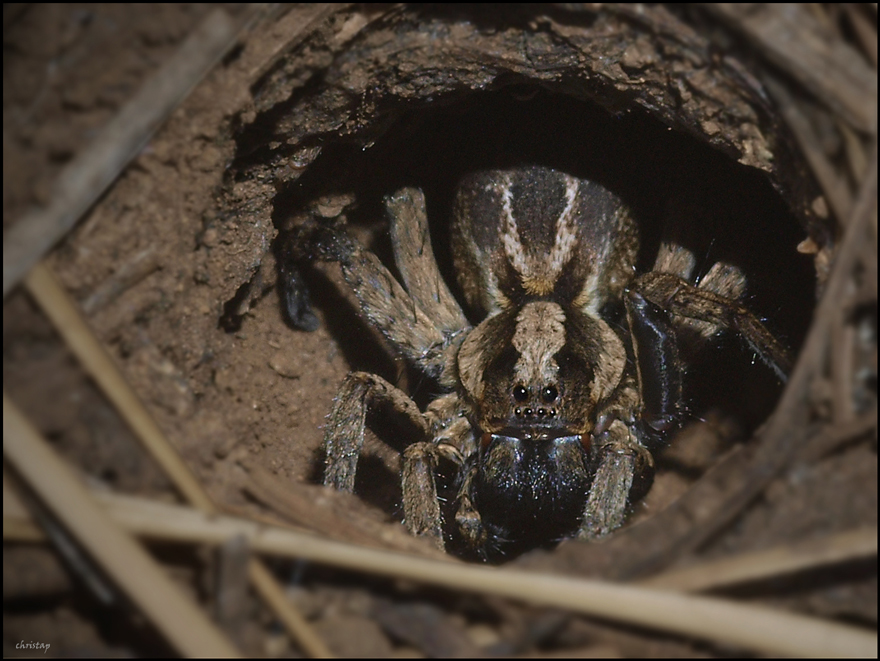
<point>551,407</point>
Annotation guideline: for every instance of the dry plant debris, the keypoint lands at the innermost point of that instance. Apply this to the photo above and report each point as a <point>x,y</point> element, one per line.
<point>759,120</point>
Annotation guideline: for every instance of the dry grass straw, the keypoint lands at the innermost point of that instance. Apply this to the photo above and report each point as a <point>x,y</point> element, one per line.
<point>770,563</point>
<point>173,523</point>
<point>751,627</point>
<point>188,630</point>
<point>69,323</point>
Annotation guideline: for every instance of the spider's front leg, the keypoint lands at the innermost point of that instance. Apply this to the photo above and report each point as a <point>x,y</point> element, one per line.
<point>422,322</point>
<point>624,466</point>
<point>344,433</point>
<point>639,417</point>
<point>710,311</point>
<point>344,440</point>
<point>661,302</point>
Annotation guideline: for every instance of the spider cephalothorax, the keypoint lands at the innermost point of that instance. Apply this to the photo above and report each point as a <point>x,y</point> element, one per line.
<point>551,411</point>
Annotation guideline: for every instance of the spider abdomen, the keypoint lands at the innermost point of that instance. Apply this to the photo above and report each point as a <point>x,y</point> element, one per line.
<point>533,233</point>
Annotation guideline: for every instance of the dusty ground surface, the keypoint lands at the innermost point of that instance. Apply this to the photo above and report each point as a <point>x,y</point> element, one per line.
<point>243,396</point>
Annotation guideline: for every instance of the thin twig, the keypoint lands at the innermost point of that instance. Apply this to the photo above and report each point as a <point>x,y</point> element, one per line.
<point>833,185</point>
<point>772,563</point>
<point>177,617</point>
<point>835,435</point>
<point>856,158</point>
<point>69,323</point>
<point>842,350</point>
<point>296,503</point>
<point>792,39</point>
<point>865,30</point>
<point>134,270</point>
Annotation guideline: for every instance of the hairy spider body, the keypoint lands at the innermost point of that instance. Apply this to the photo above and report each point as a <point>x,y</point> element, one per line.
<point>555,400</point>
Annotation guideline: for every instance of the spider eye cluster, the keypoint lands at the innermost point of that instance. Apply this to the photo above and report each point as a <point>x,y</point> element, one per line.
<point>549,394</point>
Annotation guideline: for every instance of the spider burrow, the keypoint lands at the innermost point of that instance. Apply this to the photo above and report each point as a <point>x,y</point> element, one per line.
<point>550,408</point>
